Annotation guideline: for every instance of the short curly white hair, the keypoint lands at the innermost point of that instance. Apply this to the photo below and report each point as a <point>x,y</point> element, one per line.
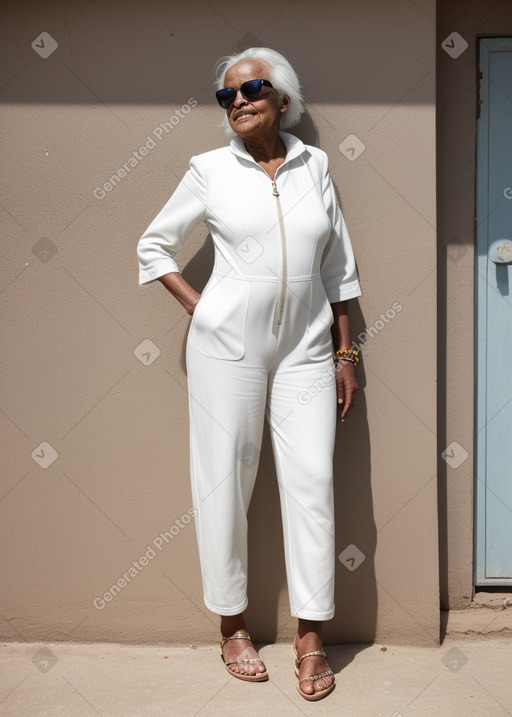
<point>281,74</point>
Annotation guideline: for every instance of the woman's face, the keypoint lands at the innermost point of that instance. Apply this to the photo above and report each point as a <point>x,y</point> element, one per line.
<point>255,118</point>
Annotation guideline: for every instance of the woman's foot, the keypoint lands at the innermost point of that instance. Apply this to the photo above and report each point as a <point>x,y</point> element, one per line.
<point>244,661</point>
<point>311,666</point>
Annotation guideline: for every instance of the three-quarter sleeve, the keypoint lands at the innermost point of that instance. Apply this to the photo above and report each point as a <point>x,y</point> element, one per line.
<point>169,230</point>
<point>339,273</point>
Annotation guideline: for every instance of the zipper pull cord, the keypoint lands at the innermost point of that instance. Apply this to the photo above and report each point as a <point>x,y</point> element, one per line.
<point>284,260</point>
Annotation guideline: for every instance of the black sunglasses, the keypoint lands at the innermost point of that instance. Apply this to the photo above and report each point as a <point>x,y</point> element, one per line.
<point>251,90</point>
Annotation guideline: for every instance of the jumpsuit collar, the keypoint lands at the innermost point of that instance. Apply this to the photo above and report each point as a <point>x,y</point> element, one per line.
<point>294,147</point>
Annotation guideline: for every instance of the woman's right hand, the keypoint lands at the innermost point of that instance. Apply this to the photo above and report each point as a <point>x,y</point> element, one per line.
<point>181,290</point>
<point>193,308</point>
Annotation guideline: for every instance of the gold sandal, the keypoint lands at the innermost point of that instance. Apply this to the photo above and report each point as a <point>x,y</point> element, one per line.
<point>321,693</point>
<point>258,676</point>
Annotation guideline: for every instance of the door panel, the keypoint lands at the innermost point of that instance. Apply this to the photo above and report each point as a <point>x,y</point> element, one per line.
<point>493,487</point>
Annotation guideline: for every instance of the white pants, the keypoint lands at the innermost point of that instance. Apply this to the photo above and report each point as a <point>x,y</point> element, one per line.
<point>228,401</point>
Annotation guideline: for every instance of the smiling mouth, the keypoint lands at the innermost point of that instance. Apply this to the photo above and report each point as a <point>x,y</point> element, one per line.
<point>243,116</point>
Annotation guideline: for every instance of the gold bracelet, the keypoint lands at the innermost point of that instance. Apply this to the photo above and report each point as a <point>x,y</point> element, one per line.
<point>347,355</point>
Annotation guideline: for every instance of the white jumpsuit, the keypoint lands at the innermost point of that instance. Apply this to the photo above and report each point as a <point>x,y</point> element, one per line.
<point>260,343</point>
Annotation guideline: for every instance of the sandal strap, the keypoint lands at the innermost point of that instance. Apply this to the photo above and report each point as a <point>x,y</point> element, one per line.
<point>240,662</point>
<point>319,653</point>
<point>239,635</point>
<point>314,678</point>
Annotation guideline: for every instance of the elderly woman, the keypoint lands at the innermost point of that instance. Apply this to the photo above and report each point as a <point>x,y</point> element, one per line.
<point>269,336</point>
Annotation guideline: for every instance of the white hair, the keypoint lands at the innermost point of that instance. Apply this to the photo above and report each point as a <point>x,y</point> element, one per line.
<point>281,74</point>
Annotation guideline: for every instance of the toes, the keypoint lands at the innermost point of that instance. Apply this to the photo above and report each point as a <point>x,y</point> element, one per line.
<point>247,669</point>
<point>324,683</point>
<point>310,688</point>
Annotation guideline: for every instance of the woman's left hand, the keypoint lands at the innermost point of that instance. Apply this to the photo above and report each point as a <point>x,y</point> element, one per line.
<point>346,387</point>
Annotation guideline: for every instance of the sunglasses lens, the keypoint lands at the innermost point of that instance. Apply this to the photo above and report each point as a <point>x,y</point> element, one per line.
<point>251,89</point>
<point>225,97</point>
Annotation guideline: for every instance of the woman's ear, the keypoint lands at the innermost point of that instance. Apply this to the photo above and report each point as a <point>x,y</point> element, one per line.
<point>285,104</point>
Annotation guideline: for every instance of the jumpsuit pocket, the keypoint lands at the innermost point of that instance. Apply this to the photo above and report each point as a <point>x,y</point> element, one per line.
<point>218,324</point>
<point>319,345</point>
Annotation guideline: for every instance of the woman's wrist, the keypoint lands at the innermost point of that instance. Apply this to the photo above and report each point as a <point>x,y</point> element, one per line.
<point>344,355</point>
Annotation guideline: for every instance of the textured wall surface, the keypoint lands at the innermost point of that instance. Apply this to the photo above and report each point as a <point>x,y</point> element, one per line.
<point>457,107</point>
<point>95,499</point>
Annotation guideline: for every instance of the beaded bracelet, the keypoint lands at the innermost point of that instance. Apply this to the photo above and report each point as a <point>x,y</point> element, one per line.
<point>347,355</point>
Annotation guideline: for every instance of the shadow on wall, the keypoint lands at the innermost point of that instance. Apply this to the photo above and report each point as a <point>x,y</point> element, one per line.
<point>141,51</point>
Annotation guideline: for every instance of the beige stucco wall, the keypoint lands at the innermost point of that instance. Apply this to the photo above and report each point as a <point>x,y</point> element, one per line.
<point>457,111</point>
<point>74,318</point>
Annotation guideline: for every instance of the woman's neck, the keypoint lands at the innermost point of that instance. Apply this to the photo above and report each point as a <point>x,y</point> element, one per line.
<point>265,150</point>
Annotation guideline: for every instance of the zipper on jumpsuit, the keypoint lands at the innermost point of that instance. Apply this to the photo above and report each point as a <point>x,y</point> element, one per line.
<point>284,256</point>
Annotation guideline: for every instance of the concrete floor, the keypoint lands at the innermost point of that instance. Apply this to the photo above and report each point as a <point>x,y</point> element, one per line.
<point>465,676</point>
